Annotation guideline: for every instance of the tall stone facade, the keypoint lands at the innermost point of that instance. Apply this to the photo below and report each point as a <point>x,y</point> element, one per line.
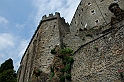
<point>96,35</point>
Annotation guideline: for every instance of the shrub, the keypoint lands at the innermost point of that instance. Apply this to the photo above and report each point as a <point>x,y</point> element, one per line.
<point>66,51</point>
<point>121,74</point>
<point>68,76</point>
<point>69,59</point>
<point>62,78</point>
<point>67,67</point>
<point>62,70</point>
<point>89,35</point>
<point>64,62</point>
<point>51,69</point>
<point>53,51</point>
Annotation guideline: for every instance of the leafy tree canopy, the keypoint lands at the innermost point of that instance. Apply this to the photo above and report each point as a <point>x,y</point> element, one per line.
<point>8,64</point>
<point>7,73</point>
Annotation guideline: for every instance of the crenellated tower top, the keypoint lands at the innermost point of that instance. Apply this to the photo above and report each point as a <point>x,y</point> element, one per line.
<point>51,16</point>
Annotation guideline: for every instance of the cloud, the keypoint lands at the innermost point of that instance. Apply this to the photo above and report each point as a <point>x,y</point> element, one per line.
<point>20,25</point>
<point>13,47</point>
<point>65,7</point>
<point>20,52</point>
<point>22,47</point>
<point>6,40</point>
<point>3,20</point>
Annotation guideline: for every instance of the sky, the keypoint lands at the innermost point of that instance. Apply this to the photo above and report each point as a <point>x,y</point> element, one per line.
<point>19,20</point>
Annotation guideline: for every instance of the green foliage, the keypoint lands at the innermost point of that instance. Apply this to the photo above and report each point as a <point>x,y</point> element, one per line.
<point>67,67</point>
<point>51,69</point>
<point>8,64</point>
<point>89,35</point>
<point>96,48</point>
<point>69,59</point>
<point>68,76</point>
<point>52,75</point>
<point>8,76</point>
<point>66,51</point>
<point>121,75</point>
<point>62,70</point>
<point>37,73</point>
<point>53,51</point>
<point>62,78</point>
<point>64,62</point>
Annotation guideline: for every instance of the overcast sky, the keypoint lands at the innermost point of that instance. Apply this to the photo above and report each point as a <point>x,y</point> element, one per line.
<point>20,18</point>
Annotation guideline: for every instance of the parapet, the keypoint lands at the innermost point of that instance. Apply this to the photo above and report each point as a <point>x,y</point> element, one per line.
<point>57,14</point>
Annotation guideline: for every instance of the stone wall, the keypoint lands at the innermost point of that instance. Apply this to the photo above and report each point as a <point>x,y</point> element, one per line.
<point>100,60</point>
<point>98,47</point>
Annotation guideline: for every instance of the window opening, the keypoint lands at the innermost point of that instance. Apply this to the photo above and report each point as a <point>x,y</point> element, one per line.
<point>93,12</point>
<point>101,0</point>
<point>82,9</point>
<point>115,1</point>
<point>89,4</point>
<point>97,21</point>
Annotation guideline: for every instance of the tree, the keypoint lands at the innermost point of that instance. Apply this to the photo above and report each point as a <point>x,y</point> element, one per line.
<point>8,64</point>
<point>8,76</point>
<point>7,73</point>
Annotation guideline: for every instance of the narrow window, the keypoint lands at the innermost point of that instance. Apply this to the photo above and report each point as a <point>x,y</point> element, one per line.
<point>92,12</point>
<point>89,4</point>
<point>101,0</point>
<point>81,23</point>
<point>79,14</point>
<point>115,1</point>
<point>97,21</point>
<point>82,9</point>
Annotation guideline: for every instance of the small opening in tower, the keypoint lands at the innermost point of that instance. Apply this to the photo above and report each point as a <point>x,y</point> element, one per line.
<point>101,0</point>
<point>81,23</point>
<point>54,26</point>
<point>82,9</point>
<point>79,14</point>
<point>89,4</point>
<point>75,22</point>
<point>96,21</point>
<point>80,29</point>
<point>93,12</point>
<point>115,1</point>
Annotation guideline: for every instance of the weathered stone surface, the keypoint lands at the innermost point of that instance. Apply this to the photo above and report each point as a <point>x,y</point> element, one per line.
<point>98,47</point>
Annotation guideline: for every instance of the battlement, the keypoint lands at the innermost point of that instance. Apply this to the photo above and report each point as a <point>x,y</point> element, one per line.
<point>51,16</point>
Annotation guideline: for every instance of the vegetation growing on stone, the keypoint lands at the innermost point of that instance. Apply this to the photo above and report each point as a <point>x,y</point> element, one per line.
<point>89,35</point>
<point>66,51</point>
<point>121,74</point>
<point>61,65</point>
<point>53,51</point>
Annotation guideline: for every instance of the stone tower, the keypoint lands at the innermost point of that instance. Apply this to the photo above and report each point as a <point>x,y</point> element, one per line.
<point>48,34</point>
<point>96,35</point>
